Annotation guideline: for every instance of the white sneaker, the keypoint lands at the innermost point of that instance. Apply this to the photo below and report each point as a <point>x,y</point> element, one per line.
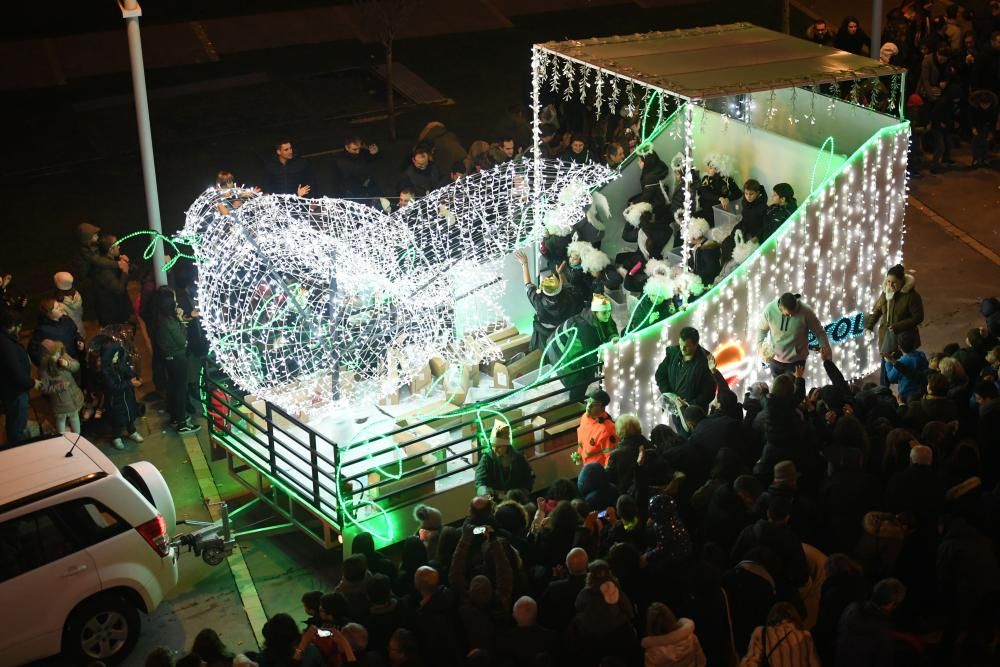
<point>118,443</point>
<point>136,437</point>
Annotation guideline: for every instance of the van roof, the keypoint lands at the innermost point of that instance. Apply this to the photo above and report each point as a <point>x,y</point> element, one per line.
<point>33,470</point>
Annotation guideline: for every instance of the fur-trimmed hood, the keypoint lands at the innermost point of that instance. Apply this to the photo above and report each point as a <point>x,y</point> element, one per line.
<point>673,646</point>
<point>908,284</point>
<point>633,212</point>
<point>697,228</point>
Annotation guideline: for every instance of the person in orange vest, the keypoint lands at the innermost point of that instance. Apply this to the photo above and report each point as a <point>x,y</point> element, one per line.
<point>596,437</point>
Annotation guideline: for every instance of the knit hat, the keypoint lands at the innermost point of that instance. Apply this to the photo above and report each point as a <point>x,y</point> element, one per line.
<point>609,591</point>
<point>914,100</point>
<point>63,281</point>
<point>600,396</point>
<point>897,272</point>
<point>480,589</point>
<point>510,518</point>
<point>600,303</point>
<point>550,284</point>
<point>785,471</point>
<point>429,517</point>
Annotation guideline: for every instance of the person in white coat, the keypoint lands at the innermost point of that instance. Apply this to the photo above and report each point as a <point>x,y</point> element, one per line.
<point>669,641</point>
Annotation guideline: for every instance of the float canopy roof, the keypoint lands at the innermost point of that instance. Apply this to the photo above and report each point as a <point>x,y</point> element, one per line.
<point>719,61</point>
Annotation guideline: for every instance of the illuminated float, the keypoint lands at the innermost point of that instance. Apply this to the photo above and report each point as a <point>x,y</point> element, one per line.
<point>369,367</point>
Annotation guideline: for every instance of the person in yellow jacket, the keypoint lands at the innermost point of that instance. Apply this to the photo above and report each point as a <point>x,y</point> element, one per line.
<point>596,437</point>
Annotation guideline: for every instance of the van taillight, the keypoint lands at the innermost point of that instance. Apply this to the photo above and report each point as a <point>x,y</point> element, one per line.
<point>155,534</point>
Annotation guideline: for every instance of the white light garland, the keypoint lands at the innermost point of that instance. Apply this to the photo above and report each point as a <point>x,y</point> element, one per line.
<point>295,292</point>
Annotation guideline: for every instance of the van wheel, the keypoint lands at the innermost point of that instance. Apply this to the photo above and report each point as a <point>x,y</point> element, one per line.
<point>105,628</point>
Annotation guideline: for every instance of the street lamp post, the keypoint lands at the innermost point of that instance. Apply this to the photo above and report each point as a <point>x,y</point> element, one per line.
<point>131,11</point>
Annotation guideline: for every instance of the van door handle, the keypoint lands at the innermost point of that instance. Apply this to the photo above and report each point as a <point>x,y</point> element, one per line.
<point>76,569</point>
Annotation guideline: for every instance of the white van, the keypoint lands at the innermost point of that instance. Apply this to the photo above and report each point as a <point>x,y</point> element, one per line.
<point>84,548</point>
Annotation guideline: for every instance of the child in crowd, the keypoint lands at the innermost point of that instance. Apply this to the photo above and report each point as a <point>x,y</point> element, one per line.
<point>64,396</point>
<point>119,383</point>
<point>909,370</point>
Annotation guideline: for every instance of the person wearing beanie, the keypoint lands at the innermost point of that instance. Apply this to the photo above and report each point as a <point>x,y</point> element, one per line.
<point>787,322</point>
<point>595,436</point>
<point>430,528</point>
<point>501,467</point>
<point>780,207</point>
<point>554,301</point>
<point>897,310</point>
<point>55,324</point>
<point>575,342</point>
<point>56,369</point>
<point>70,298</point>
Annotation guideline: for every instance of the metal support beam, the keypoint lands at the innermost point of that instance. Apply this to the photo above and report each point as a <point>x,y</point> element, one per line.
<point>876,28</point>
<point>131,13</point>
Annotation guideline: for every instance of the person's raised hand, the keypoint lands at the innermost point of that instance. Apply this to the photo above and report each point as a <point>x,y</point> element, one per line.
<point>372,149</point>
<point>800,372</point>
<point>590,523</point>
<point>825,352</point>
<point>561,269</point>
<point>303,190</point>
<point>710,358</point>
<point>521,257</point>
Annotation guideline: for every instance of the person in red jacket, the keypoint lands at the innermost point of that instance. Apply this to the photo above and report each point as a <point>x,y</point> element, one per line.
<point>596,437</point>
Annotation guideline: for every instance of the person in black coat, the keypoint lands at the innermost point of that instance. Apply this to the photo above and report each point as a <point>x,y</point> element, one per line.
<point>730,511</point>
<point>791,570</point>
<point>111,283</point>
<point>844,585</point>
<point>652,172</point>
<point>780,207</point>
<point>119,382</point>
<point>421,175</point>
<point>502,468</point>
<point>753,211</point>
<point>554,301</point>
<point>55,324</point>
<point>15,378</point>
<point>686,370</point>
<point>556,606</point>
<point>717,187</point>
<point>355,174</point>
<point>751,590</point>
<point>435,619</point>
<point>527,639</point>
<point>286,174</point>
<point>864,635</point>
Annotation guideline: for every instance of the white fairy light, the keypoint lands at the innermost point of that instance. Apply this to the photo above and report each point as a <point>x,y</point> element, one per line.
<point>295,291</point>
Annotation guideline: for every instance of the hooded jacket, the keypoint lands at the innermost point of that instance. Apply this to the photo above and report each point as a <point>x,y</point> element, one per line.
<point>904,311</point>
<point>63,330</point>
<point>678,648</point>
<point>910,372</point>
<point>118,391</point>
<point>64,395</point>
<point>673,543</point>
<point>88,258</point>
<point>790,333</point>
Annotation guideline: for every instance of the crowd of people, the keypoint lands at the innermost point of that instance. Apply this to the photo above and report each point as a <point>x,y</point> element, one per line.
<point>90,381</point>
<point>951,52</point>
<point>845,524</point>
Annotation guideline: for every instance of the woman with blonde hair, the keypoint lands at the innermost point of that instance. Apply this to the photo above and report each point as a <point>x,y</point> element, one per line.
<point>623,460</point>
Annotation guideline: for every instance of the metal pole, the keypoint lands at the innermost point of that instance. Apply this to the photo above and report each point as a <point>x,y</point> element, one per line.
<point>131,13</point>
<point>876,28</point>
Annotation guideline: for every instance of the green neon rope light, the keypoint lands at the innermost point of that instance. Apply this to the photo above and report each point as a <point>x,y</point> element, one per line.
<point>151,247</point>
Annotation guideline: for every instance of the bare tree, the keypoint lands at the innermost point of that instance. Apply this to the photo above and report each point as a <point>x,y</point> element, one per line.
<point>382,19</point>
